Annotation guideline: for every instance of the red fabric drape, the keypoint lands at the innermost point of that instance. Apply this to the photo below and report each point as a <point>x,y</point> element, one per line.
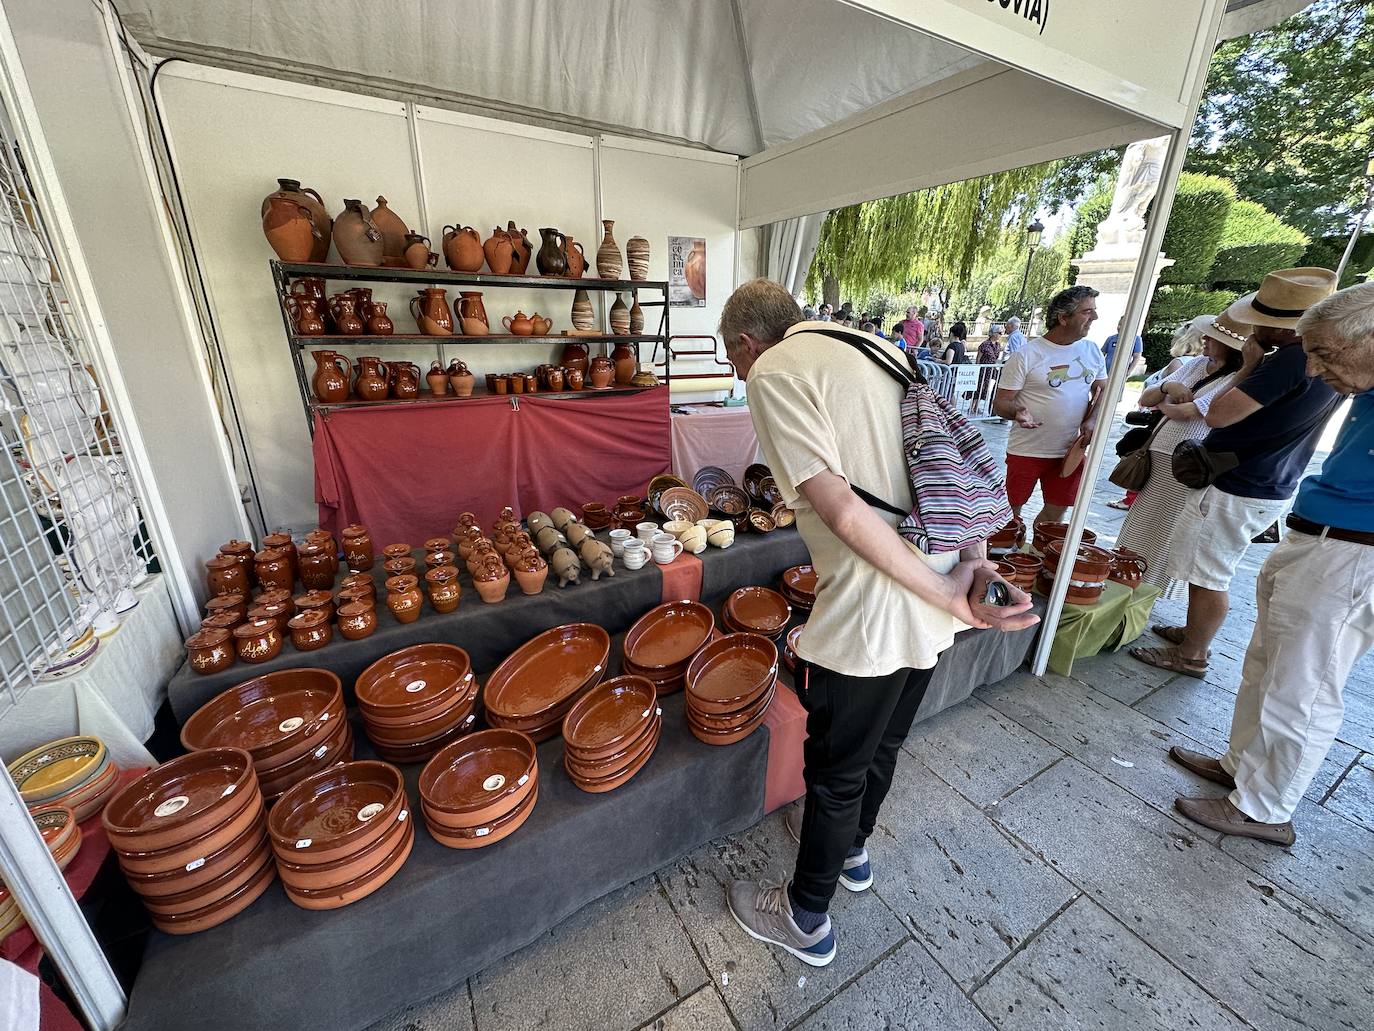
<point>405,472</point>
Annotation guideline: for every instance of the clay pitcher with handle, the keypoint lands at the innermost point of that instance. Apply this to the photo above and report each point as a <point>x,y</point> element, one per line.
<point>305,315</point>
<point>430,308</point>
<point>520,245</point>
<point>331,379</point>
<point>551,259</point>
<point>372,378</point>
<point>576,257</point>
<point>499,252</point>
<point>289,228</point>
<point>472,314</point>
<point>313,203</point>
<point>463,249</point>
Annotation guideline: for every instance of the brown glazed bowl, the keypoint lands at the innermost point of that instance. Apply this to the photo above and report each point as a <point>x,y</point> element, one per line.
<point>282,773</point>
<point>548,671</point>
<point>682,503</point>
<point>337,812</point>
<point>668,635</point>
<point>272,717</point>
<point>487,833</point>
<point>760,521</point>
<point>202,869</point>
<point>175,858</point>
<point>724,723</point>
<point>616,762</point>
<point>599,785</point>
<point>730,673</point>
<point>462,696</point>
<point>609,717</point>
<point>411,681</point>
<point>323,876</point>
<point>228,882</point>
<point>179,800</point>
<point>217,913</point>
<point>1047,532</point>
<point>479,778</point>
<point>758,610</point>
<point>351,891</point>
<point>423,729</point>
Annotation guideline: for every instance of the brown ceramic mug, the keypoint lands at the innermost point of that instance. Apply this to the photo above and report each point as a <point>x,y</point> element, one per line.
<point>500,384</point>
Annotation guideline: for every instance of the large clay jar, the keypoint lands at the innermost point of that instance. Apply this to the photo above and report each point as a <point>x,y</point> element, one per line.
<point>637,258</point>
<point>574,358</point>
<point>576,257</point>
<point>636,317</point>
<point>258,640</point>
<point>608,261</point>
<point>583,315</point>
<point>437,379</point>
<point>520,247</point>
<point>371,382</point>
<point>307,198</point>
<point>695,269</point>
<point>619,317</point>
<point>393,230</point>
<point>357,620</point>
<point>499,252</point>
<point>551,260</point>
<point>289,228</point>
<point>444,590</point>
<point>417,254</point>
<point>430,308</point>
<point>273,569</point>
<point>403,598</point>
<point>602,372</point>
<point>472,314</point>
<point>625,364</point>
<point>225,575</point>
<point>356,236</point>
<point>357,547</point>
<point>518,324</point>
<point>378,321</point>
<point>460,379</point>
<point>405,380</point>
<point>463,248</point>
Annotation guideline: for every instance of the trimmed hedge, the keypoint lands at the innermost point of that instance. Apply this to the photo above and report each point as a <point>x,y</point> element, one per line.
<point>1086,218</point>
<point>1157,350</point>
<point>1195,227</point>
<point>1172,306</point>
<point>1255,242</point>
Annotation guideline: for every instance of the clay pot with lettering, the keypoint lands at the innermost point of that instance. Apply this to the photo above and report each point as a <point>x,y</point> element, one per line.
<point>356,236</point>
<point>378,321</point>
<point>417,253</point>
<point>518,324</point>
<point>403,598</point>
<point>460,379</point>
<point>357,547</point>
<point>318,565</point>
<point>278,612</point>
<point>609,264</point>
<point>445,592</point>
<point>472,314</point>
<point>347,322</point>
<point>625,364</point>
<point>282,542</point>
<point>695,269</point>
<point>393,230</point>
<point>292,190</point>
<point>405,380</point>
<point>310,630</point>
<point>258,640</point>
<point>371,382</point>
<point>437,379</point>
<point>273,568</point>
<point>463,249</point>
<point>225,575</point>
<point>499,252</point>
<point>241,552</point>
<point>305,316</point>
<point>357,620</point>
<point>551,259</point>
<point>315,601</point>
<point>602,372</point>
<point>575,257</point>
<point>289,229</point>
<point>521,251</point>
<point>430,308</point>
<point>210,650</point>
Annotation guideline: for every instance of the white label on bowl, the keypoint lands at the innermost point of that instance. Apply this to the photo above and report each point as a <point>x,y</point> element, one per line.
<point>172,805</point>
<point>415,685</point>
<point>467,677</point>
<point>325,717</point>
<point>228,791</point>
<point>367,812</point>
<point>521,782</point>
<point>294,723</point>
<point>597,669</point>
<point>195,864</point>
<point>400,817</point>
<point>494,783</point>
<point>481,832</point>
<point>319,752</point>
<point>645,714</point>
<point>658,712</point>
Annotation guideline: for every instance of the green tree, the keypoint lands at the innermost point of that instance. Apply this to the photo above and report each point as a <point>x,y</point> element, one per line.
<point>1195,227</point>
<point>996,283</point>
<point>1253,243</point>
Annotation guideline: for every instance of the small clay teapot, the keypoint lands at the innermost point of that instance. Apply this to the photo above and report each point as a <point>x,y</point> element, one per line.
<point>519,324</point>
<point>417,254</point>
<point>541,325</point>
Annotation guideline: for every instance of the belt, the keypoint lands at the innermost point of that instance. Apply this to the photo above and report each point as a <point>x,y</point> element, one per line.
<point>1335,533</point>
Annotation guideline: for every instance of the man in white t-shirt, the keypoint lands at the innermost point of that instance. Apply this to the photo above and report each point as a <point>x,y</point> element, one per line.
<point>827,416</point>
<point>1050,389</point>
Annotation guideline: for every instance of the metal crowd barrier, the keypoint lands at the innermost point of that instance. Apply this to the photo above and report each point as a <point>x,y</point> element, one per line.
<point>969,388</point>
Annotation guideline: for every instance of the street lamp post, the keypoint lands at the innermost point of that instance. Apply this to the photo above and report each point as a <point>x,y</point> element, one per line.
<point>1364,214</point>
<point>1033,233</point>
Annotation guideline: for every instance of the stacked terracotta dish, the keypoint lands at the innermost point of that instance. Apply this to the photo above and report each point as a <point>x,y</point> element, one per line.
<point>609,735</point>
<point>76,772</point>
<point>480,789</point>
<point>62,835</point>
<point>790,658</point>
<point>341,834</point>
<point>663,641</point>
<point>729,686</point>
<point>416,700</point>
<point>1090,571</point>
<point>533,689</point>
<point>798,586</point>
<point>291,722</point>
<point>756,610</point>
<point>191,839</point>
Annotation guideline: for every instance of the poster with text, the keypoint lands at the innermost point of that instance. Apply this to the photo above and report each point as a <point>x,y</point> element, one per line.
<point>686,272</point>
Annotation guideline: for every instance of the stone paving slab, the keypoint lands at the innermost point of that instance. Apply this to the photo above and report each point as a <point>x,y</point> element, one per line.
<point>906,990</point>
<point>1271,958</point>
<point>967,891</point>
<point>978,751</point>
<point>1354,796</point>
<point>1121,677</point>
<point>450,1011</point>
<point>1087,971</point>
<point>614,964</point>
<point>763,986</point>
<point>703,1010</point>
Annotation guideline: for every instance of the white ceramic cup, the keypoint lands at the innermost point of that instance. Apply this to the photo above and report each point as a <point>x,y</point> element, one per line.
<point>634,553</point>
<point>666,548</point>
<point>618,539</point>
<point>646,531</point>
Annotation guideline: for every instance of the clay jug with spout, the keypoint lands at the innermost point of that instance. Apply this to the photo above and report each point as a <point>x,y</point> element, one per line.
<point>371,382</point>
<point>305,316</point>
<point>289,228</point>
<point>602,372</point>
<point>378,321</point>
<point>574,357</point>
<point>575,256</point>
<point>356,236</point>
<point>460,379</point>
<point>499,252</point>
<point>520,245</point>
<point>313,203</point>
<point>609,264</point>
<point>625,364</point>
<point>330,382</point>
<point>313,288</point>
<point>472,314</point>
<point>430,308</point>
<point>463,249</point>
<point>437,379</point>
<point>393,230</point>
<point>405,382</point>
<point>551,260</point>
<point>346,319</point>
<point>417,254</point>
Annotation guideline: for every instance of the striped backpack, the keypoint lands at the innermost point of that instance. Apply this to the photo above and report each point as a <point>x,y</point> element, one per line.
<point>957,486</point>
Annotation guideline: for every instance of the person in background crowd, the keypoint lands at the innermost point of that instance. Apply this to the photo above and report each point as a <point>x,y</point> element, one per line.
<point>868,327</point>
<point>954,352</point>
<point>847,311</point>
<point>808,313</point>
<point>898,337</point>
<point>989,353</point>
<point>1050,390</point>
<point>1183,399</point>
<point>913,331</point>
<point>1316,604</point>
<point>828,416</point>
<point>1015,338</point>
<point>1270,418</point>
<point>827,311</point>
<point>926,320</point>
<point>1137,365</point>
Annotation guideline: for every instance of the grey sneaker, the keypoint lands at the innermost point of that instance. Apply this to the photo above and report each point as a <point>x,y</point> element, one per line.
<point>764,911</point>
<point>857,873</point>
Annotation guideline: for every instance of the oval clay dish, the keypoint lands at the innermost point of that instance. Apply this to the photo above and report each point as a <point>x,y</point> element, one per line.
<point>487,833</point>
<point>802,580</point>
<point>337,811</point>
<point>180,799</point>
<point>610,716</point>
<point>413,678</point>
<point>351,891</point>
<point>603,784</point>
<point>669,634</point>
<point>759,609</point>
<point>547,670</point>
<point>620,761</point>
<point>264,714</point>
<point>481,777</point>
<point>730,673</point>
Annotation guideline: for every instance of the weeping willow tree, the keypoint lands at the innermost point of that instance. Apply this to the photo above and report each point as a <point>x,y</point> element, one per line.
<point>940,235</point>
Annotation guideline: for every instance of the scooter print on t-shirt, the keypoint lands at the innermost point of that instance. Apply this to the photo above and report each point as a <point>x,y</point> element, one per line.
<point>1058,375</point>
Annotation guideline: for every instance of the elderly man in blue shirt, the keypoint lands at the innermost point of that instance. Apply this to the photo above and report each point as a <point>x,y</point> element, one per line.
<point>1316,604</point>
<point>1015,338</point>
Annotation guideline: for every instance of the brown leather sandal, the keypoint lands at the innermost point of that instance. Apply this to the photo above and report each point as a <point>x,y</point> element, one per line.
<point>1170,659</point>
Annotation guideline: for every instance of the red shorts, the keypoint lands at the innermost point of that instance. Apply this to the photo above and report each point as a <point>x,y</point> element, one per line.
<point>1024,473</point>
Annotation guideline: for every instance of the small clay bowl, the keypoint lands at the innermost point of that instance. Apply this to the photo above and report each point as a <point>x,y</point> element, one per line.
<point>668,635</point>
<point>481,777</point>
<point>547,671</point>
<point>351,891</point>
<point>217,913</point>
<point>336,812</point>
<point>729,500</point>
<point>202,869</point>
<point>488,833</point>
<point>60,829</point>
<point>730,673</point>
<point>760,521</point>
<point>179,800</point>
<point>758,610</point>
<point>274,717</point>
<point>609,717</point>
<point>176,857</point>
<point>90,797</point>
<point>52,770</point>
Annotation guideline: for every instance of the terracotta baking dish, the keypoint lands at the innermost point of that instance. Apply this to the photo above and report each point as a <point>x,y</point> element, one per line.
<point>180,799</point>
<point>732,672</point>
<point>430,727</point>
<point>336,812</point>
<point>757,610</point>
<point>603,784</point>
<point>217,913</point>
<point>617,762</point>
<point>608,717</point>
<point>199,869</point>
<point>547,671</point>
<point>488,833</point>
<point>723,723</point>
<point>274,717</point>
<point>170,860</point>
<point>422,751</point>
<point>790,658</point>
<point>326,876</point>
<point>669,635</point>
<point>351,891</point>
<point>338,748</point>
<point>410,681</point>
<point>711,737</point>
<point>463,694</point>
<point>479,778</point>
<point>223,886</point>
<point>799,585</point>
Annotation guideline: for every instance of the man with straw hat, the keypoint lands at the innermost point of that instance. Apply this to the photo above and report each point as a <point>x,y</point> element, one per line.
<point>1265,428</point>
<point>1316,605</point>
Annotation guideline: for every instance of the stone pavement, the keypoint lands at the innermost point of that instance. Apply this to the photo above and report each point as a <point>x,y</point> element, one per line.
<point>1030,873</point>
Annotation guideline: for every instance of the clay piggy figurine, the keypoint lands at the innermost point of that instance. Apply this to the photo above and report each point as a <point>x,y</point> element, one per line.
<point>597,557</point>
<point>565,566</point>
<point>577,533</point>
<point>561,518</point>
<point>549,540</point>
<point>536,521</point>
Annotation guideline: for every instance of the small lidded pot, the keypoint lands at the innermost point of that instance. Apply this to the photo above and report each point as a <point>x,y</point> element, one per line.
<point>281,541</point>
<point>403,598</point>
<point>258,640</point>
<point>321,601</point>
<point>209,650</point>
<point>242,553</point>
<point>356,593</point>
<point>275,611</point>
<point>357,547</point>
<point>310,629</point>
<point>399,566</point>
<point>236,603</point>
<point>319,535</point>
<point>273,569</point>
<point>359,580</point>
<point>318,566</point>
<point>225,620</point>
<point>224,574</point>
<point>357,620</point>
<point>438,544</point>
<point>445,591</point>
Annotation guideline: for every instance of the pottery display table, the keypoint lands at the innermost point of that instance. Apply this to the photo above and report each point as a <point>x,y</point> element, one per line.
<point>1118,618</point>
<point>710,435</point>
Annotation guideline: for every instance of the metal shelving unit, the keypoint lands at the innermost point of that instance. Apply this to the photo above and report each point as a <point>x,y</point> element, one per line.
<point>284,272</point>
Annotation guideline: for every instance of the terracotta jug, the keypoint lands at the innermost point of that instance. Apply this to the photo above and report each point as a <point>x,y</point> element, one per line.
<point>608,261</point>
<point>393,230</point>
<point>695,269</point>
<point>346,320</point>
<point>472,314</point>
<point>379,322</point>
<point>371,382</point>
<point>619,317</point>
<point>313,203</point>
<point>602,372</point>
<point>542,326</point>
<point>356,236</point>
<point>460,379</point>
<point>575,256</point>
<point>583,315</point>
<point>430,308</point>
<point>463,249</point>
<point>289,228</point>
<point>437,379</point>
<point>554,379</point>
<point>417,254</point>
<point>551,261</point>
<point>405,383</point>
<point>499,252</point>
<point>522,251</point>
<point>362,301</point>
<point>574,358</point>
<point>575,379</point>
<point>625,364</point>
<point>636,317</point>
<point>518,324</point>
<point>305,316</point>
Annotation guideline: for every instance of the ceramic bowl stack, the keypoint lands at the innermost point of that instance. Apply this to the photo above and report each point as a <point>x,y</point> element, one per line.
<point>417,700</point>
<point>341,834</point>
<point>533,689</point>
<point>709,477</point>
<point>191,839</point>
<point>790,658</point>
<point>729,686</point>
<point>609,735</point>
<point>663,642</point>
<point>291,722</point>
<point>729,500</point>
<point>753,479</point>
<point>62,835</point>
<point>756,610</point>
<point>798,586</point>
<point>76,772</point>
<point>479,790</point>
<point>654,491</point>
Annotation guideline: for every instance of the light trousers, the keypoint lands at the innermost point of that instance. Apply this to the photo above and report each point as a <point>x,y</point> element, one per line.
<point>1316,620</point>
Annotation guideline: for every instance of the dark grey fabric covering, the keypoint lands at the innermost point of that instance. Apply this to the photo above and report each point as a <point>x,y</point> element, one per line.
<point>753,559</point>
<point>977,657</point>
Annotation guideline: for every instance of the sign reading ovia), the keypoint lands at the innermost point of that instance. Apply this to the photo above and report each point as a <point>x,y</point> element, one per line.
<point>1037,11</point>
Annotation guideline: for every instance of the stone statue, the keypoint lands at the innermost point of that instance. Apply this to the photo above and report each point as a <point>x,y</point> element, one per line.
<point>1136,186</point>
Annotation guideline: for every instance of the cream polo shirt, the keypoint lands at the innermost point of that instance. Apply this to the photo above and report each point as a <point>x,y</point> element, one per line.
<point>819,404</point>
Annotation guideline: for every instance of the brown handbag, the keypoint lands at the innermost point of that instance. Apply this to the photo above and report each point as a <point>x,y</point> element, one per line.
<point>1133,469</point>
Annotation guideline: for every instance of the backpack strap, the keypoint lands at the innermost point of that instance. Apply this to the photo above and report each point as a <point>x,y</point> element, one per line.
<point>878,502</point>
